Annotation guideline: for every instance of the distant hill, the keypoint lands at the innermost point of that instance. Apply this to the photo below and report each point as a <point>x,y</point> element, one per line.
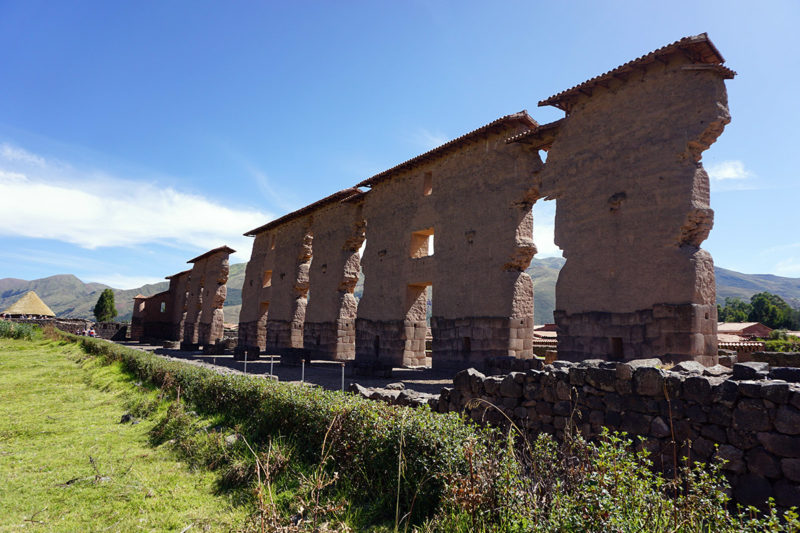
<point>68,296</point>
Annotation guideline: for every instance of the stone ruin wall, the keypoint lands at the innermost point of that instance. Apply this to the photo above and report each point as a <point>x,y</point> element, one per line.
<point>329,330</point>
<point>206,291</point>
<point>749,417</point>
<point>190,311</point>
<point>315,252</point>
<point>632,210</point>
<point>477,206</point>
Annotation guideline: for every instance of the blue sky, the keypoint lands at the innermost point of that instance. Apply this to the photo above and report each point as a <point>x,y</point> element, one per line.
<point>136,135</point>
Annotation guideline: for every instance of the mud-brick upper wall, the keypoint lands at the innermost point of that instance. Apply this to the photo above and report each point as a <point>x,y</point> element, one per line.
<point>476,199</point>
<point>279,274</point>
<point>633,203</point>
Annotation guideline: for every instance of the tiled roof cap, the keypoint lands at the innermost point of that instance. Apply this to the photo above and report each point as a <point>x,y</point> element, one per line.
<point>540,136</point>
<point>179,274</point>
<point>521,117</point>
<point>341,196</point>
<point>698,47</point>
<point>224,249</point>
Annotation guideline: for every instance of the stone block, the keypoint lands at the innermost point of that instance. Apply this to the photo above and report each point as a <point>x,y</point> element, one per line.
<point>762,463</point>
<point>751,415</point>
<point>781,445</point>
<point>698,389</point>
<point>787,420</point>
<point>733,458</point>
<point>785,373</point>
<point>648,381</point>
<point>791,469</point>
<point>750,370</point>
<point>509,388</point>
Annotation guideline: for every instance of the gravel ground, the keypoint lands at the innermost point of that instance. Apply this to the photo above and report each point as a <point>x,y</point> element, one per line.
<point>326,374</point>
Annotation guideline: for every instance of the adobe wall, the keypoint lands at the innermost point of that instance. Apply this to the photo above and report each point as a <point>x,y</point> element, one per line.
<point>161,316</point>
<point>255,299</point>
<point>632,210</point>
<point>205,295</point>
<point>479,208</point>
<point>178,288</point>
<point>749,417</point>
<point>329,329</point>
<point>155,316</point>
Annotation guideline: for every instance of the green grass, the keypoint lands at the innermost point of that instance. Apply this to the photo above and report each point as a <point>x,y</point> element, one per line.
<point>67,464</point>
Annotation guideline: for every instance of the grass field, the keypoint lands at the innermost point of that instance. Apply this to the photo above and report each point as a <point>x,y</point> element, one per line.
<point>68,464</point>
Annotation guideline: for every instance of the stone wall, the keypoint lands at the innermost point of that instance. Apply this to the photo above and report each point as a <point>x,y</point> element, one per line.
<point>633,203</point>
<point>749,416</point>
<point>117,331</point>
<point>203,321</point>
<point>473,201</point>
<point>632,209</point>
<point>313,250</point>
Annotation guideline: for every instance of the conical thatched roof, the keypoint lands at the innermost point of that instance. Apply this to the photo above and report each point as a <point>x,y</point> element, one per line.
<point>29,304</point>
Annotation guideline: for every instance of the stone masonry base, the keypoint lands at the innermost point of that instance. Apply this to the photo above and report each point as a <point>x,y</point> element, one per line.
<point>664,331</point>
<point>466,342</point>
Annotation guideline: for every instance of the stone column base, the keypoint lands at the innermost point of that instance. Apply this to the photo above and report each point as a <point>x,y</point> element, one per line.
<point>672,332</point>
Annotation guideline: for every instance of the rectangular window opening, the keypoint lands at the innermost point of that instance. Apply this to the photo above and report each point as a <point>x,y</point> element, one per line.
<point>267,281</point>
<point>427,188</point>
<point>617,352</point>
<point>421,243</point>
<point>272,242</point>
<point>163,307</point>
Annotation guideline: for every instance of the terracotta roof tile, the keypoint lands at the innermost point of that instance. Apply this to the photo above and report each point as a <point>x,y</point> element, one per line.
<point>211,252</point>
<point>179,274</point>
<point>521,117</point>
<point>699,47</point>
<point>541,135</point>
<point>341,196</point>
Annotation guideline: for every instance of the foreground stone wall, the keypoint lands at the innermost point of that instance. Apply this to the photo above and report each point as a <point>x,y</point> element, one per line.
<point>749,417</point>
<point>116,331</point>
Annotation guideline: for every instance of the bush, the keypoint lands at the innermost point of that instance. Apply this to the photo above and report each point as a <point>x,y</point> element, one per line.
<point>12,330</point>
<point>438,470</point>
<point>364,438</point>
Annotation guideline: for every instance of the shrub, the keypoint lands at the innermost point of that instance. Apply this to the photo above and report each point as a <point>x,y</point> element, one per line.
<point>12,330</point>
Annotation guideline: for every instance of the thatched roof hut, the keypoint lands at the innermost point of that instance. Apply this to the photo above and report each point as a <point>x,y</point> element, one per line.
<point>29,305</point>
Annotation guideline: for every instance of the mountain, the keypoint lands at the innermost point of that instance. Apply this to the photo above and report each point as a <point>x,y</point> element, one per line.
<point>736,284</point>
<point>66,295</point>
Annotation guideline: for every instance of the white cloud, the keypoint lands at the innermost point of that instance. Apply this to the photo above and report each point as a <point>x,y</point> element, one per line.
<point>93,209</point>
<point>14,153</point>
<point>788,267</point>
<point>728,170</point>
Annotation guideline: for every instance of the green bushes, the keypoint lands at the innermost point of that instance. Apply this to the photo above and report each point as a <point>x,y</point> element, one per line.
<point>416,468</point>
<point>12,330</point>
<point>365,439</point>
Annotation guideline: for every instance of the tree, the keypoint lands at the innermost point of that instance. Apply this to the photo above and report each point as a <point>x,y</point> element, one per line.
<point>735,310</point>
<point>105,309</point>
<point>771,310</point>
